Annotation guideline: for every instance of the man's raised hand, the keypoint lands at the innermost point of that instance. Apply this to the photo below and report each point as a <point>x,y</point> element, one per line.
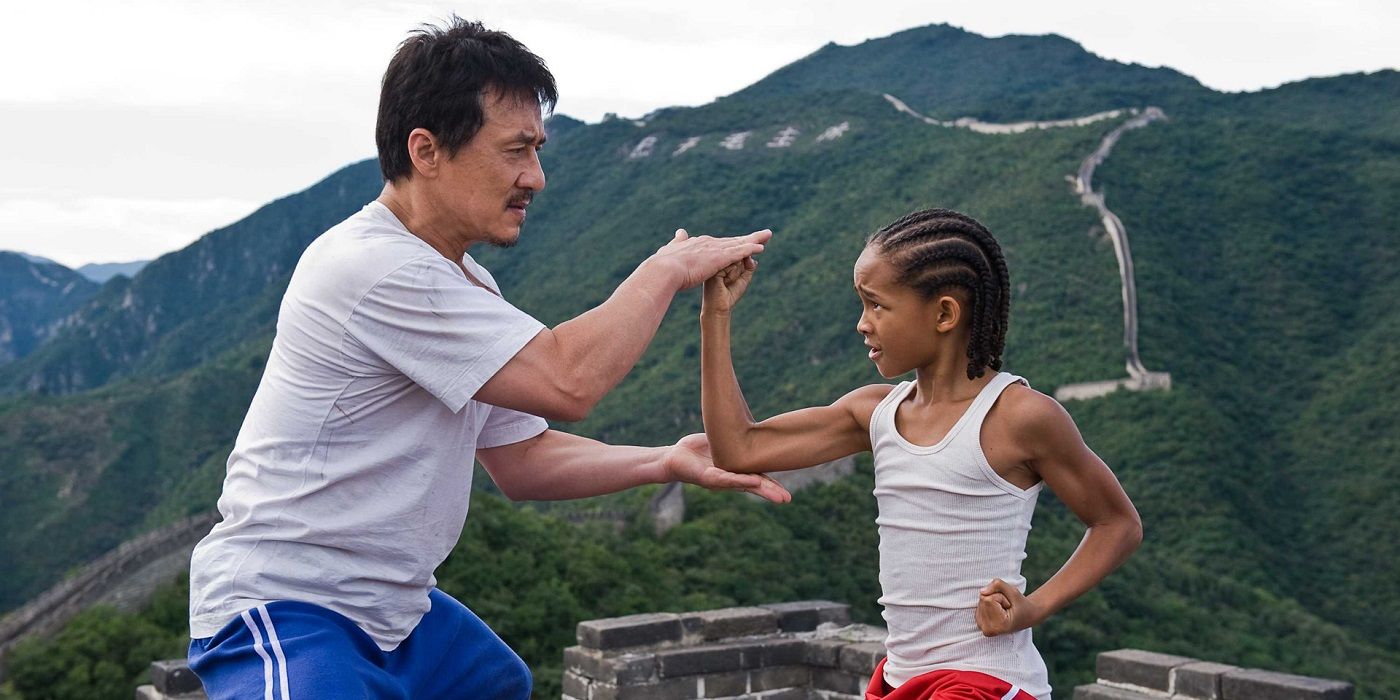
<point>689,461</point>
<point>694,260</point>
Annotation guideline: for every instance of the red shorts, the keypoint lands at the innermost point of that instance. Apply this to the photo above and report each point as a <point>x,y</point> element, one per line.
<point>944,685</point>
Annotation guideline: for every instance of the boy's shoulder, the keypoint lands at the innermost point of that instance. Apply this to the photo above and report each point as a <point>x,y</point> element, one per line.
<point>1031,413</point>
<point>862,402</point>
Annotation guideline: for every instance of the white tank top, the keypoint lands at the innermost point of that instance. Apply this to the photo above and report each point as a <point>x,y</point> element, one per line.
<point>948,526</point>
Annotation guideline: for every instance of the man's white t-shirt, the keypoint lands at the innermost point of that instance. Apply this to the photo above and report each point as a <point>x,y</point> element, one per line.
<point>349,481</point>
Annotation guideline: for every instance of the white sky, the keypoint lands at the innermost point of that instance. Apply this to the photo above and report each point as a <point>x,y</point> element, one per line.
<point>129,129</point>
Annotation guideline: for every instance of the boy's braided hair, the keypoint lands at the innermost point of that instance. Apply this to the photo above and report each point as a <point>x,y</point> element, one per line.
<point>936,250</point>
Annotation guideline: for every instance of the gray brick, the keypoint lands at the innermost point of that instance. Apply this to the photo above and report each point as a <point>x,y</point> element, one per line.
<point>1104,692</point>
<point>804,616</point>
<point>148,692</point>
<point>601,691</point>
<point>823,652</point>
<point>839,681</point>
<point>617,669</point>
<point>630,631</point>
<point>720,685</point>
<point>575,685</point>
<point>784,694</point>
<point>1268,685</point>
<point>676,689</point>
<point>1200,679</point>
<point>782,651</point>
<point>1141,668</point>
<point>693,661</point>
<point>861,658</point>
<point>779,677</point>
<point>730,622</point>
<point>174,677</point>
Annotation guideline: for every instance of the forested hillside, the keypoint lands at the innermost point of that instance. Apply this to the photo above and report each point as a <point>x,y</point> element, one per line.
<point>1265,238</point>
<point>36,295</point>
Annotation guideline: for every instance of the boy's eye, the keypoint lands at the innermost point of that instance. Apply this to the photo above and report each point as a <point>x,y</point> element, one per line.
<point>876,306</point>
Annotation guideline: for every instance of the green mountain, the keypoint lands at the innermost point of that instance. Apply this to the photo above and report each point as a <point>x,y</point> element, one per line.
<point>101,272</point>
<point>1263,228</point>
<point>185,307</point>
<point>954,73</point>
<point>36,296</point>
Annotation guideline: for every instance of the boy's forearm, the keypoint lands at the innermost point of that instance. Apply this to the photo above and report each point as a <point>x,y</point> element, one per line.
<point>725,412</point>
<point>1104,548</point>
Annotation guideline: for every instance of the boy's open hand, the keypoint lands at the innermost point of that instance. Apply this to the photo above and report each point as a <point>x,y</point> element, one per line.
<point>1001,609</point>
<point>725,289</point>
<point>689,461</point>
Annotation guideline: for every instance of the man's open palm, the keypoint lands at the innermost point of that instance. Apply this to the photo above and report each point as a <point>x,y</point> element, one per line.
<point>690,462</point>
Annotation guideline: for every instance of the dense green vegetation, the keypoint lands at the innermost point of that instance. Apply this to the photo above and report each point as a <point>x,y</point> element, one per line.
<point>1265,239</point>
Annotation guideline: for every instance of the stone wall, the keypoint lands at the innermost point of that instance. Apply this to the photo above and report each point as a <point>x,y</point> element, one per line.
<point>125,576</point>
<point>1132,674</point>
<point>810,651</point>
<point>786,651</point>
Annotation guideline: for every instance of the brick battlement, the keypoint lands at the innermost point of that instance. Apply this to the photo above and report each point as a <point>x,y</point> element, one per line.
<point>787,651</point>
<point>810,651</point>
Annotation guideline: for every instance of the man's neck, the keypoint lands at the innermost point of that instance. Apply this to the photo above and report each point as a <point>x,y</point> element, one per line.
<point>422,219</point>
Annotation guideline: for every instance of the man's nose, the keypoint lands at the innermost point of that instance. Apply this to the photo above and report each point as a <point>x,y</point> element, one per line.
<point>533,177</point>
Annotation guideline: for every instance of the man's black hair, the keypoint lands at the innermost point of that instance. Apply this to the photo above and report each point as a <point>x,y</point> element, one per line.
<point>935,250</point>
<point>437,79</point>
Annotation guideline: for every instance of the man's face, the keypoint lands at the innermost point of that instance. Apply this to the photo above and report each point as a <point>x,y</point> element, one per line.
<point>488,184</point>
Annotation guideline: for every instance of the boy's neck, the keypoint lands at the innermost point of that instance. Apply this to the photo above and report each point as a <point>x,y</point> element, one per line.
<point>945,381</point>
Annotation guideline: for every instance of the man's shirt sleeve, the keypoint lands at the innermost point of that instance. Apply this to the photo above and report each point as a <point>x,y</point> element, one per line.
<point>449,336</point>
<point>505,426</point>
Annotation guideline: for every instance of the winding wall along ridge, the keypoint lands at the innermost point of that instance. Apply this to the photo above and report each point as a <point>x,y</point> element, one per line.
<point>1139,377</point>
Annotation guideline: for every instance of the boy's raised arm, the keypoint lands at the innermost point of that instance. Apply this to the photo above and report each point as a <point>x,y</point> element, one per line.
<point>794,440</point>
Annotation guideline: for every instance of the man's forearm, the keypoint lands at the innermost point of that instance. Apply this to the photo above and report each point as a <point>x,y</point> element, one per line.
<point>558,466</point>
<point>601,345</point>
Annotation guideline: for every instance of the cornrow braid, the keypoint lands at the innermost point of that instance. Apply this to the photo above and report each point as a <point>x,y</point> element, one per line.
<point>937,249</point>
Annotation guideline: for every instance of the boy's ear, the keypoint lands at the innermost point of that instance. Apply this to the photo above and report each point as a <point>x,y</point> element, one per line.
<point>949,312</point>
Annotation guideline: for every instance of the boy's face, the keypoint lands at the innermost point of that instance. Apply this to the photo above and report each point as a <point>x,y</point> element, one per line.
<point>903,330</point>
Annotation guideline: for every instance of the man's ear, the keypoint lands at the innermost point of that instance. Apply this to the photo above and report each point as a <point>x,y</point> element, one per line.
<point>424,152</point>
<point>949,312</point>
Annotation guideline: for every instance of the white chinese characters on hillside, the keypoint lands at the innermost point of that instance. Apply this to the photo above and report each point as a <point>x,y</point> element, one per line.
<point>835,132</point>
<point>735,142</point>
<point>784,138</point>
<point>686,145</point>
<point>643,149</point>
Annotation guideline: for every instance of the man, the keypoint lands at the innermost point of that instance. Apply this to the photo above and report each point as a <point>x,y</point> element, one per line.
<point>396,360</point>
